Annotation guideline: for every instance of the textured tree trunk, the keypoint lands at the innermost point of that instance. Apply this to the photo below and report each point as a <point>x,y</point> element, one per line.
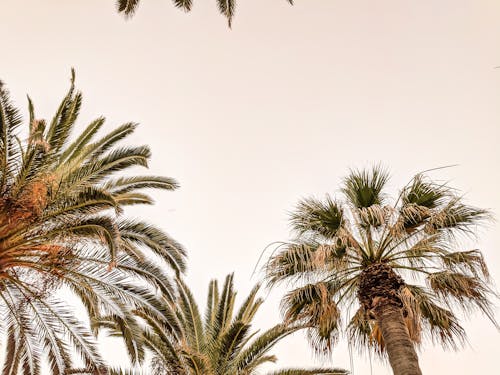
<point>379,294</point>
<point>400,349</point>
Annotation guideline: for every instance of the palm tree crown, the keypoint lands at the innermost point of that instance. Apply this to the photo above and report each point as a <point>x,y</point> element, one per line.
<point>61,225</point>
<point>360,254</point>
<point>220,343</point>
<point>226,7</point>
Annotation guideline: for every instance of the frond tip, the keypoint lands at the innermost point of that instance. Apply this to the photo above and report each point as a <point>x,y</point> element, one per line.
<point>226,7</point>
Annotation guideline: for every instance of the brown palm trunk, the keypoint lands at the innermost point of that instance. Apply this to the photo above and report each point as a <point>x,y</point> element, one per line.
<point>379,294</point>
<point>400,349</point>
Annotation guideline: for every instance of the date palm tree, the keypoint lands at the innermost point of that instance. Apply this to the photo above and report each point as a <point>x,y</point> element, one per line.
<point>226,7</point>
<point>62,228</point>
<point>221,343</point>
<point>394,270</point>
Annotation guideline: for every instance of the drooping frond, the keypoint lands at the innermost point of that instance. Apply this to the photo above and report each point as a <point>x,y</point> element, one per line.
<point>226,8</point>
<point>467,291</point>
<point>297,260</point>
<point>314,306</point>
<point>128,7</point>
<point>439,323</point>
<point>466,261</point>
<point>135,233</point>
<point>184,4</point>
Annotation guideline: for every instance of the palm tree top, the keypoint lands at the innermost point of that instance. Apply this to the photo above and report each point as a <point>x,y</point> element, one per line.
<point>62,223</point>
<point>360,249</point>
<point>221,340</point>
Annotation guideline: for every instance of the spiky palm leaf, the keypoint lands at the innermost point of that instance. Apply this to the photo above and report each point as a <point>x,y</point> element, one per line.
<point>61,227</point>
<point>221,342</point>
<point>226,7</point>
<point>346,248</point>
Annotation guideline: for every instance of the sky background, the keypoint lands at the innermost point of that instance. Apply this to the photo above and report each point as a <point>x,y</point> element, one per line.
<point>250,120</point>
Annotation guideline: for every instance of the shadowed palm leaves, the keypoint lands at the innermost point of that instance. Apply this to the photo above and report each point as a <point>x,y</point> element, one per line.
<point>60,226</point>
<point>221,343</point>
<point>351,256</point>
<point>226,7</point>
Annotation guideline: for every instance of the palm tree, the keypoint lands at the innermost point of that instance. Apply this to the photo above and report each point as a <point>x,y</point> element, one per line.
<point>221,343</point>
<point>226,7</point>
<point>394,266</point>
<point>61,227</point>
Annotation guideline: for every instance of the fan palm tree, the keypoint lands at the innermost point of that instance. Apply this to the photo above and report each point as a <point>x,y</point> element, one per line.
<point>393,269</point>
<point>226,7</point>
<point>221,343</point>
<point>61,227</point>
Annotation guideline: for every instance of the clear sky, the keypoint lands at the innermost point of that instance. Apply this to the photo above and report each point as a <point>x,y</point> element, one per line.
<point>251,119</point>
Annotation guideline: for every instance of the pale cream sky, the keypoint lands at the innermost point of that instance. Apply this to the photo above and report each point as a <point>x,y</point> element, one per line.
<point>252,119</point>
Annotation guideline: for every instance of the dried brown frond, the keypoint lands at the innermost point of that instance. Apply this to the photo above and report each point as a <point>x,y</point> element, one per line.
<point>36,137</point>
<point>374,216</point>
<point>314,306</point>
<point>411,313</point>
<point>471,260</point>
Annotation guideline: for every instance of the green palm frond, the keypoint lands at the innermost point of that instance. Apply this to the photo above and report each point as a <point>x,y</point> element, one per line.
<point>323,217</point>
<point>252,355</point>
<point>62,225</point>
<point>193,326</point>
<point>135,233</point>
<point>364,188</point>
<point>221,343</point>
<point>212,303</point>
<point>424,193</point>
<point>10,152</point>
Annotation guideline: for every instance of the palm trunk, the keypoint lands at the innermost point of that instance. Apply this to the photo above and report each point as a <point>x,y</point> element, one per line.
<point>400,349</point>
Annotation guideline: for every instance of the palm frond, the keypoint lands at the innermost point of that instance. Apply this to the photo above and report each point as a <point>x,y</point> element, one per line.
<point>314,306</point>
<point>223,344</point>
<point>364,188</point>
<point>184,4</point>
<point>442,324</point>
<point>60,226</point>
<point>128,7</point>
<point>314,216</point>
<point>468,291</point>
<point>226,8</point>
<point>456,216</point>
